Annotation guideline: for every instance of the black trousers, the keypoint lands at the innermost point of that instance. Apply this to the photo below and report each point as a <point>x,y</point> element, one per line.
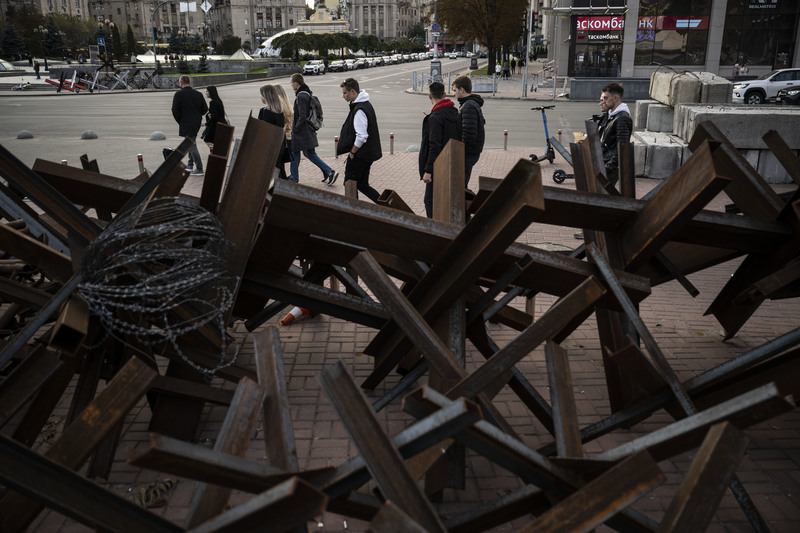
<point>357,169</point>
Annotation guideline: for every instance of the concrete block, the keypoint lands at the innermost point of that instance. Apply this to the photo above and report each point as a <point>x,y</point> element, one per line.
<point>664,154</point>
<point>770,169</point>
<point>660,118</point>
<point>715,89</point>
<point>751,156</point>
<point>639,157</point>
<point>672,89</point>
<point>745,125</point>
<point>640,114</point>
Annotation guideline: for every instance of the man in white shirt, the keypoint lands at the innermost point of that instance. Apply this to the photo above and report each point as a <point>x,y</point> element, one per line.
<point>359,138</point>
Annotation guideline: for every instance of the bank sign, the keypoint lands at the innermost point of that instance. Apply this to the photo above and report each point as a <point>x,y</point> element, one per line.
<point>601,23</point>
<point>672,23</point>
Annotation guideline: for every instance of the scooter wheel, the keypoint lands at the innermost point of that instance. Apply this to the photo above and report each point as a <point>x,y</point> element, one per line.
<point>533,158</point>
<point>551,157</point>
<point>559,176</point>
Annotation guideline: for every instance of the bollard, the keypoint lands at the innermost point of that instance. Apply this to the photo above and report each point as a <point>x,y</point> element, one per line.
<point>505,139</point>
<point>64,162</point>
<point>141,163</point>
<point>391,143</point>
<point>559,138</point>
<point>336,146</point>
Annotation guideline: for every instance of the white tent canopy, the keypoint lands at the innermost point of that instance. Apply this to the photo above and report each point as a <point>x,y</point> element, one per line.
<point>241,54</point>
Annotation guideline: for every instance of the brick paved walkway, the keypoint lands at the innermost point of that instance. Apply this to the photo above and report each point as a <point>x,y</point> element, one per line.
<point>692,342</point>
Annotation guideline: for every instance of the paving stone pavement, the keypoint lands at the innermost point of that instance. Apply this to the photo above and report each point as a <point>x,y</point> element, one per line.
<point>691,341</point>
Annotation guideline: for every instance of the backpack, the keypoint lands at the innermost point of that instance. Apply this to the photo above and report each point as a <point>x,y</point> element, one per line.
<point>314,117</point>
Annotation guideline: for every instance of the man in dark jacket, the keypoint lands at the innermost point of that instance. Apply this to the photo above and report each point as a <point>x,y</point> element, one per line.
<point>614,126</point>
<point>188,108</point>
<point>473,133</point>
<point>359,138</point>
<point>441,125</point>
<point>304,137</point>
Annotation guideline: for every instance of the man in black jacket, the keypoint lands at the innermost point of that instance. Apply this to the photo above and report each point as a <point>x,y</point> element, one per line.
<point>188,108</point>
<point>473,133</point>
<point>614,126</point>
<point>441,125</point>
<point>360,138</point>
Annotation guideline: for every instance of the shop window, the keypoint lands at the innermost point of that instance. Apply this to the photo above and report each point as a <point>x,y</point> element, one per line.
<point>672,32</point>
<point>761,36</point>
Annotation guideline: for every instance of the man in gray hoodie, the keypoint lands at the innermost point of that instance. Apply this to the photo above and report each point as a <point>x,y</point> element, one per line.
<point>473,133</point>
<point>614,126</point>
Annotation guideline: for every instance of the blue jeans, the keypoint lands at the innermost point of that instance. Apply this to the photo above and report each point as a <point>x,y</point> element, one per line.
<point>313,157</point>
<point>194,156</point>
<point>469,162</point>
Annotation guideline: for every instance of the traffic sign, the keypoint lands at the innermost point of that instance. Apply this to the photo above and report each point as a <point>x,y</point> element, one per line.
<point>435,27</point>
<point>101,41</point>
<point>435,34</point>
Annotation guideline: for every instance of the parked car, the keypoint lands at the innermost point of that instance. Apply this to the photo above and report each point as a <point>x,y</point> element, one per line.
<point>452,55</point>
<point>337,66</point>
<point>315,66</point>
<point>765,88</point>
<point>789,96</point>
<point>361,63</point>
<point>350,63</point>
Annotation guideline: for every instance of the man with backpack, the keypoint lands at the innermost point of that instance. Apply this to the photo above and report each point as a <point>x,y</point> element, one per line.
<point>307,119</point>
<point>359,138</point>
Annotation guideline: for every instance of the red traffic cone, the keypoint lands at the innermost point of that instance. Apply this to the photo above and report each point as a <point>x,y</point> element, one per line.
<point>294,314</point>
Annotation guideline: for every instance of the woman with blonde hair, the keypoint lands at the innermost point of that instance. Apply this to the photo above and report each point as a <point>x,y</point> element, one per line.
<point>277,111</point>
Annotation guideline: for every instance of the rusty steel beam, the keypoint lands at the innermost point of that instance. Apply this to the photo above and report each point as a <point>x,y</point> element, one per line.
<point>233,438</point>
<point>64,490</point>
<point>14,208</point>
<point>279,438</point>
<point>194,461</point>
<point>382,458</point>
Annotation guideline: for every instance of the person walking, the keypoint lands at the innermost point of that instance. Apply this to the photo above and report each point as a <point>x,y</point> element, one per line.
<point>506,72</point>
<point>473,133</point>
<point>497,69</point>
<point>513,66</point>
<point>215,115</point>
<point>277,111</point>
<point>304,137</point>
<point>614,126</point>
<point>188,108</point>
<point>359,138</point>
<point>438,127</point>
<point>36,68</point>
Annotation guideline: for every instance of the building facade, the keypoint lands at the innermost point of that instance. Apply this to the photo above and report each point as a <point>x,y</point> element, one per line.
<point>389,20</point>
<point>633,38</point>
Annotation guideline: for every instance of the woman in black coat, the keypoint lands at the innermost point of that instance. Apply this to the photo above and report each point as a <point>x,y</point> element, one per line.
<point>215,115</point>
<point>277,111</point>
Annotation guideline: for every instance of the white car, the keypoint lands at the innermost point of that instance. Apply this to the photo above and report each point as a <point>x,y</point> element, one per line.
<point>350,63</point>
<point>765,88</point>
<point>452,55</point>
<point>315,66</point>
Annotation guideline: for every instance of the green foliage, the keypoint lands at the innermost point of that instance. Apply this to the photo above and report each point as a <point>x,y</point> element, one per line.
<point>155,494</point>
<point>130,41</point>
<point>202,65</point>
<point>12,44</point>
<point>183,66</point>
<point>118,45</point>
<point>246,46</point>
<point>230,45</point>
<point>368,43</point>
<point>416,34</point>
<point>291,44</point>
<point>78,33</point>
<point>53,41</point>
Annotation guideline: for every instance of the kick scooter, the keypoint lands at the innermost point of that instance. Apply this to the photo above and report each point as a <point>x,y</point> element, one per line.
<point>550,154</point>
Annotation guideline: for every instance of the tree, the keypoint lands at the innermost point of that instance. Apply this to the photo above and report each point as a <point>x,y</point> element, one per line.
<point>368,42</point>
<point>291,44</point>
<point>202,65</point>
<point>493,23</point>
<point>230,45</point>
<point>12,44</point>
<point>53,41</point>
<point>416,33</point>
<point>119,48</point>
<point>77,32</point>
<point>130,41</point>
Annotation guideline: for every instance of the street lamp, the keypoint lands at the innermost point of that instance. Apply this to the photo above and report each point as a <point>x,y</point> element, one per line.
<point>108,27</point>
<point>42,31</point>
<point>182,34</point>
<point>436,65</point>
